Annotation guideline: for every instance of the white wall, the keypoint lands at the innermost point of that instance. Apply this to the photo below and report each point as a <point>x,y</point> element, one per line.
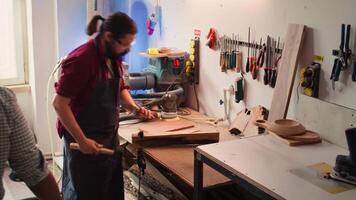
<point>72,20</point>
<point>265,17</point>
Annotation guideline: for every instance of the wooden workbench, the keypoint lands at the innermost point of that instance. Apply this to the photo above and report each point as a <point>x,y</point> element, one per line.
<point>179,160</point>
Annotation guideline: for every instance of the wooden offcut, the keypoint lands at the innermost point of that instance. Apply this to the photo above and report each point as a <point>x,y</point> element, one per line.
<point>164,125</point>
<point>175,137</point>
<point>301,140</point>
<point>286,72</point>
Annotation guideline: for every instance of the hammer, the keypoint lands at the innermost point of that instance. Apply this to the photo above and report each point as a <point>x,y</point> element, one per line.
<point>140,160</point>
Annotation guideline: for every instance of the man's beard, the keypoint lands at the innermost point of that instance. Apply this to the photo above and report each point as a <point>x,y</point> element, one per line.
<point>110,53</point>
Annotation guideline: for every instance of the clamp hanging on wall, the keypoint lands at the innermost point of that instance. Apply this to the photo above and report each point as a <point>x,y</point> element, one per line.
<point>342,61</point>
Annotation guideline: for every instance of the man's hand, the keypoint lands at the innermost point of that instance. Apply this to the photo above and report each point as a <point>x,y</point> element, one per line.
<point>89,146</point>
<point>146,113</point>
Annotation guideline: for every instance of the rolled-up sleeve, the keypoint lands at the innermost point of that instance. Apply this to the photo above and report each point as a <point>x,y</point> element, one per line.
<point>123,84</point>
<point>74,78</point>
<point>24,157</point>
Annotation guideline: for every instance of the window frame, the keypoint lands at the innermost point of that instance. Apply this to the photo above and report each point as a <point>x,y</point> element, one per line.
<point>21,44</point>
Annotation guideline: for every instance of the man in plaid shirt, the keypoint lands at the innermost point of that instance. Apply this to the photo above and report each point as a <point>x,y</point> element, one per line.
<point>17,146</point>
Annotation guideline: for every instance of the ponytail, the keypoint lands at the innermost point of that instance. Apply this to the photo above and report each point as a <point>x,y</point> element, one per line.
<point>119,24</point>
<point>92,26</point>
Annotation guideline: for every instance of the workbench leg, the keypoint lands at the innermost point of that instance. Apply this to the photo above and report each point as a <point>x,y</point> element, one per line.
<point>198,176</point>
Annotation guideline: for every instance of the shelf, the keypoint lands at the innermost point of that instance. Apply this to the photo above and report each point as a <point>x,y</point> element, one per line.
<point>174,54</point>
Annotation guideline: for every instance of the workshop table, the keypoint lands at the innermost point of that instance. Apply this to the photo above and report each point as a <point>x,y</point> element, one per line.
<point>264,165</point>
<point>177,162</point>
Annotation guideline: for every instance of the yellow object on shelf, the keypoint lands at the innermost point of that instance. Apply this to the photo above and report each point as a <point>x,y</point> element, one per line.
<point>152,51</point>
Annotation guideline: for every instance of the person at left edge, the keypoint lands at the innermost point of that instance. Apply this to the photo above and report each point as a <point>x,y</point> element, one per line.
<point>89,91</point>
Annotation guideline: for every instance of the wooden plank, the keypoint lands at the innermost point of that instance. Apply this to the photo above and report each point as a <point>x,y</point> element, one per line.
<point>286,72</point>
<point>175,137</point>
<point>166,125</point>
<point>180,161</point>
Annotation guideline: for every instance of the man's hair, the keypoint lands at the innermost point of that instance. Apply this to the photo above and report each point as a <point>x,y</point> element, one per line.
<point>119,24</point>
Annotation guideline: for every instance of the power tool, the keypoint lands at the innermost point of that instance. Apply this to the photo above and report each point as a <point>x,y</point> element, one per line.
<point>345,165</point>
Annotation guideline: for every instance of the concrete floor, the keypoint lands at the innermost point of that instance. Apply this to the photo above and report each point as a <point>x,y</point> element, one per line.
<point>19,190</point>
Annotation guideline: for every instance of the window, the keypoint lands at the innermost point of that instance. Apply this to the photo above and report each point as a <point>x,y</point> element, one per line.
<point>13,53</point>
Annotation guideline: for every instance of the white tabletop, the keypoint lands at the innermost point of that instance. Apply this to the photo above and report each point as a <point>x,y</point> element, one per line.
<point>266,162</point>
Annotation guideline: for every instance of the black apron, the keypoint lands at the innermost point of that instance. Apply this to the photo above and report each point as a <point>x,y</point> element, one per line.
<point>97,177</point>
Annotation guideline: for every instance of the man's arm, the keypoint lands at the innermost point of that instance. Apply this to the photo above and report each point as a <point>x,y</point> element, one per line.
<point>66,116</point>
<point>128,102</point>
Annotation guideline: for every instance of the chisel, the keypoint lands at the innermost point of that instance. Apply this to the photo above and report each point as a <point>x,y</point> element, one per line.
<point>268,52</point>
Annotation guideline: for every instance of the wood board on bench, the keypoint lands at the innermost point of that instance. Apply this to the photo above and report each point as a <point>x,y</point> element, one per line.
<point>166,125</point>
<point>173,132</point>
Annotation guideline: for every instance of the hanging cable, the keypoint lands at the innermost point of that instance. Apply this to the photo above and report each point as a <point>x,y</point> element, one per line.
<point>57,66</point>
<point>196,96</point>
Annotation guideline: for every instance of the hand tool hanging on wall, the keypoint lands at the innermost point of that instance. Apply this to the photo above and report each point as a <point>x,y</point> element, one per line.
<point>309,79</point>
<point>211,37</point>
<point>275,66</point>
<point>344,54</point>
<point>238,56</point>
<point>228,56</point>
<point>272,60</point>
<point>252,58</point>
<point>255,69</point>
<point>228,53</point>
<point>261,56</point>
<point>233,53</point>
<point>223,53</point>
<point>268,61</point>
<point>248,52</point>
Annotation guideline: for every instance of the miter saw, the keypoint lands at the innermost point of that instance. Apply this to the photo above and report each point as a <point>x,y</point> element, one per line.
<point>345,165</point>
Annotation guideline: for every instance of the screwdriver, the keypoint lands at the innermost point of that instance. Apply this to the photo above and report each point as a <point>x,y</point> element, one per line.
<point>233,53</point>
<point>248,52</point>
<point>238,56</point>
<point>268,52</point>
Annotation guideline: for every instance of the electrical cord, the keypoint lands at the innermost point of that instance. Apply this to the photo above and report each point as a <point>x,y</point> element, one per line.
<point>50,133</point>
<point>196,96</point>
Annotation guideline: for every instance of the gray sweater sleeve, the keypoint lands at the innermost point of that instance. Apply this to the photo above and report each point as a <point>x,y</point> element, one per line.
<point>23,155</point>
